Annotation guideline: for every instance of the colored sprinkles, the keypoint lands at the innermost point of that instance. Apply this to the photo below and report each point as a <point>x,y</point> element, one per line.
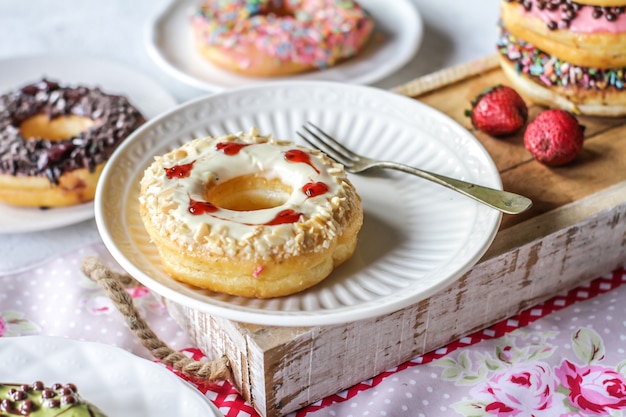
<point>303,31</point>
<point>551,71</point>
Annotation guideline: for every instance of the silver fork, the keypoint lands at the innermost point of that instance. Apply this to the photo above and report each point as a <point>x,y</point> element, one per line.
<point>504,201</point>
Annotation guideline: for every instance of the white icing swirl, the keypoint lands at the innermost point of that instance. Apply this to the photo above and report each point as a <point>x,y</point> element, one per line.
<point>227,231</point>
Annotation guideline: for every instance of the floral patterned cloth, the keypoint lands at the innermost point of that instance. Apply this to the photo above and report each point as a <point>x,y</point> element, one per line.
<point>565,357</point>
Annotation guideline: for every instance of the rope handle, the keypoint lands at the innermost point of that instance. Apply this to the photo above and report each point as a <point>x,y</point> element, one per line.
<point>114,284</point>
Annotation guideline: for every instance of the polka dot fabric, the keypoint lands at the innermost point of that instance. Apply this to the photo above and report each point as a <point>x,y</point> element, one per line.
<point>526,365</point>
<point>55,298</point>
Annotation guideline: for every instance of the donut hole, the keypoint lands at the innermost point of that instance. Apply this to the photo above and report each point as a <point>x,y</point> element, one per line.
<point>248,193</point>
<point>40,126</point>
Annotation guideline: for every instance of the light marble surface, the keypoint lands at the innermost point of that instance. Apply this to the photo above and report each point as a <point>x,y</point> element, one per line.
<point>455,32</point>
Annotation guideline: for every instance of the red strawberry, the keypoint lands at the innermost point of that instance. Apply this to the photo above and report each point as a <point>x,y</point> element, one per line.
<point>554,137</point>
<point>498,111</point>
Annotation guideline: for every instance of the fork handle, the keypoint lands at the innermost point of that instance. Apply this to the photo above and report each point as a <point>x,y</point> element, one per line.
<point>503,201</point>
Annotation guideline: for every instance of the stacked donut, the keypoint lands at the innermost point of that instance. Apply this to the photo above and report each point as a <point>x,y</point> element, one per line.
<point>567,54</point>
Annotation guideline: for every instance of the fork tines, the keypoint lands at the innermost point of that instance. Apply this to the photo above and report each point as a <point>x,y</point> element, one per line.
<point>321,140</point>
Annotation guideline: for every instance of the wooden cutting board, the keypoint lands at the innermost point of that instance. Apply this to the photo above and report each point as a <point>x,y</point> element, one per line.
<point>575,231</point>
<point>602,163</point>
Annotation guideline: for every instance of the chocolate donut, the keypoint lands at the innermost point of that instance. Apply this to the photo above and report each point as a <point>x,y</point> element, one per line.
<point>58,137</point>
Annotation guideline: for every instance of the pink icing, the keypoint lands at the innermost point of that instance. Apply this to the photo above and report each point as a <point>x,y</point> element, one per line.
<point>584,21</point>
<point>317,33</point>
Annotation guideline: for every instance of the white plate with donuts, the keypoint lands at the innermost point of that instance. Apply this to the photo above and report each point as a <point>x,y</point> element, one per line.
<point>416,238</point>
<point>396,39</point>
<point>150,98</point>
<point>114,380</point>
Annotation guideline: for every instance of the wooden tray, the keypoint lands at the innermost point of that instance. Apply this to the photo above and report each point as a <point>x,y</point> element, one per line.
<point>575,231</point>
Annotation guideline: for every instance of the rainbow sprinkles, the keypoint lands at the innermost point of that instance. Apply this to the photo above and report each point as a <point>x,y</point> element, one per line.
<point>550,71</point>
<point>309,33</point>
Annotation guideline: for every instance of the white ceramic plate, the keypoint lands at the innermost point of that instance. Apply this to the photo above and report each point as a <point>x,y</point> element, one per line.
<point>398,36</point>
<point>116,381</point>
<point>149,97</point>
<point>417,237</point>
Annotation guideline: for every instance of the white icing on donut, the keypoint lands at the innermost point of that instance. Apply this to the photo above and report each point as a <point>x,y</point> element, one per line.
<point>244,232</point>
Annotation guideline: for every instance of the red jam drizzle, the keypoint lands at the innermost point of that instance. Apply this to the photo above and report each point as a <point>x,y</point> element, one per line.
<point>230,148</point>
<point>314,189</point>
<point>179,171</point>
<point>200,207</point>
<point>284,217</point>
<point>296,155</point>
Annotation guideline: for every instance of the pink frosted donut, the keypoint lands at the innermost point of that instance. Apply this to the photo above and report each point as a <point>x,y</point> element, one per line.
<point>267,38</point>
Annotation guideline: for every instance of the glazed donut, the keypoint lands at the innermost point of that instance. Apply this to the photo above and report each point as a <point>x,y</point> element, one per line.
<point>250,216</point>
<point>268,38</point>
<point>568,55</point>
<point>54,141</point>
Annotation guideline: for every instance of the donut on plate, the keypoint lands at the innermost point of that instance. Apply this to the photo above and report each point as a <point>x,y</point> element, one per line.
<point>54,141</point>
<point>248,215</point>
<point>567,54</point>
<point>266,38</point>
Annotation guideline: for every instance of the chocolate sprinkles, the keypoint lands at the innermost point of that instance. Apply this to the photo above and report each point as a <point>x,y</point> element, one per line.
<point>113,115</point>
<point>37,399</point>
<point>569,11</point>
